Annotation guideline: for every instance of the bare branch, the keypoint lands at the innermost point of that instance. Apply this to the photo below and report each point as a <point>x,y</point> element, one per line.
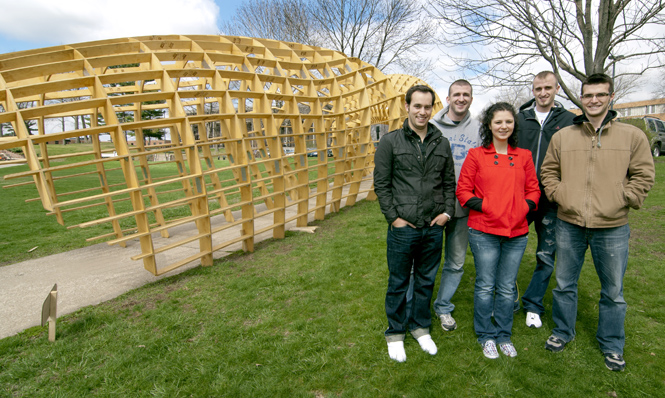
<point>572,36</point>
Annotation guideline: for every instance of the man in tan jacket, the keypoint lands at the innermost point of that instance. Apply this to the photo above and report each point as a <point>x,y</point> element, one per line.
<point>595,170</point>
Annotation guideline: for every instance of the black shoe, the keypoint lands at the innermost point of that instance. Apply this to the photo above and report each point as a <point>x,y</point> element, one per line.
<point>555,344</point>
<point>614,362</point>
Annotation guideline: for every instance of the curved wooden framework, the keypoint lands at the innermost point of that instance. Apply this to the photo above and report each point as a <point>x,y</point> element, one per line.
<point>250,122</point>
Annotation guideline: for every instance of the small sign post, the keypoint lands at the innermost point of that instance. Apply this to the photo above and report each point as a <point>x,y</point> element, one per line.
<point>49,311</point>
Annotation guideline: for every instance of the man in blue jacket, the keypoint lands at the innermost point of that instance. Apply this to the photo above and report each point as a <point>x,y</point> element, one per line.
<point>414,180</point>
<point>538,120</point>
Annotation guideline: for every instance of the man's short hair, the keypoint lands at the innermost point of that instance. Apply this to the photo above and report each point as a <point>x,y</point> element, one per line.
<point>460,82</point>
<point>598,78</point>
<point>423,89</point>
<point>544,74</point>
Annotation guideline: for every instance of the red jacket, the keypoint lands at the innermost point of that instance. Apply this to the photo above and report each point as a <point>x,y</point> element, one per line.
<point>504,183</point>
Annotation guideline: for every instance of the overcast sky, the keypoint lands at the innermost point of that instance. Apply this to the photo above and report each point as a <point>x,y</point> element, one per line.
<point>28,24</point>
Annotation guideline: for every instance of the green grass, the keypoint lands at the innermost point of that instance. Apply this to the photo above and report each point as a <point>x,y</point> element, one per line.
<point>304,317</point>
<point>27,225</point>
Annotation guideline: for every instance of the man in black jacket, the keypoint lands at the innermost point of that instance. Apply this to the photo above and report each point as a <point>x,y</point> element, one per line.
<point>414,180</point>
<point>538,120</point>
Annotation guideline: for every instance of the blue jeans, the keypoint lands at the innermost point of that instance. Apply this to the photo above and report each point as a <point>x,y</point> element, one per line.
<point>457,240</point>
<point>545,251</point>
<point>497,260</point>
<point>609,250</point>
<point>419,248</point>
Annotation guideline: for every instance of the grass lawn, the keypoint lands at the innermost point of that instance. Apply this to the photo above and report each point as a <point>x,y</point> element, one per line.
<point>26,225</point>
<point>304,317</point>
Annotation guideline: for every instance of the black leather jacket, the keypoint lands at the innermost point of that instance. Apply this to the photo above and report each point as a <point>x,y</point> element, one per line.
<point>409,187</point>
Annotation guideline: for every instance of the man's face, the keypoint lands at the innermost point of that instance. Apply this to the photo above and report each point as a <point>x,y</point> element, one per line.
<point>420,110</point>
<point>596,99</point>
<point>544,91</point>
<point>459,99</point>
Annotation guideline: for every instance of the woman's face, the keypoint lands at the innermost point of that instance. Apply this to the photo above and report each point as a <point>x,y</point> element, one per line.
<point>502,125</point>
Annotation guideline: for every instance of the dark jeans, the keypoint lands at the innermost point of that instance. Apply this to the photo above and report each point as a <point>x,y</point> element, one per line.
<point>545,251</point>
<point>420,248</point>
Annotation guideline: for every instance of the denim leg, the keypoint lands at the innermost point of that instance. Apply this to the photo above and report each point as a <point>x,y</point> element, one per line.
<point>512,250</point>
<point>426,263</point>
<point>406,248</point>
<point>486,251</point>
<point>609,249</point>
<point>545,253</point>
<point>571,244</point>
<point>409,294</point>
<point>457,240</point>
<point>400,245</point>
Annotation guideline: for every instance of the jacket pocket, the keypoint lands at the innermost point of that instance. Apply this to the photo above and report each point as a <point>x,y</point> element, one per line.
<point>438,158</point>
<point>407,207</point>
<point>404,160</point>
<point>609,202</point>
<point>439,205</point>
<point>570,202</point>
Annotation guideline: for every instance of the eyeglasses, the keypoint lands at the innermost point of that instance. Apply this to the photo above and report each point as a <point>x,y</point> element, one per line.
<point>600,96</point>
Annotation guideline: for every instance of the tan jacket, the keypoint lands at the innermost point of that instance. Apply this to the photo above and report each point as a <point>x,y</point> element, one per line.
<point>596,178</point>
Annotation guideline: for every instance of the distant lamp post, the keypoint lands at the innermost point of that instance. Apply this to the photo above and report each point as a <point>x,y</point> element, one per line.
<point>614,60</point>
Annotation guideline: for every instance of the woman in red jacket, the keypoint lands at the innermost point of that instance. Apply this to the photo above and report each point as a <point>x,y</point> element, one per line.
<point>498,183</point>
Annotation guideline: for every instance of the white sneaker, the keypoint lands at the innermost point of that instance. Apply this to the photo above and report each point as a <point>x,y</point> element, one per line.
<point>533,320</point>
<point>508,349</point>
<point>396,351</point>
<point>489,349</point>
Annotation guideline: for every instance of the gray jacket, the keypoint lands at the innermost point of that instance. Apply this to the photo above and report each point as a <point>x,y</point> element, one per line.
<point>462,136</point>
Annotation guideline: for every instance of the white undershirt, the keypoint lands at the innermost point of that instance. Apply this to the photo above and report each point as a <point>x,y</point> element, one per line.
<point>541,116</point>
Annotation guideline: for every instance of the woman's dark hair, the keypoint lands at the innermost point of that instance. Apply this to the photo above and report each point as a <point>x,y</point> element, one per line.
<point>486,121</point>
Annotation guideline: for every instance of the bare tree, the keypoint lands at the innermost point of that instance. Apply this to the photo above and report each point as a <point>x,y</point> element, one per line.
<point>388,34</point>
<point>659,90</point>
<point>573,36</point>
<point>287,20</point>
<point>514,95</point>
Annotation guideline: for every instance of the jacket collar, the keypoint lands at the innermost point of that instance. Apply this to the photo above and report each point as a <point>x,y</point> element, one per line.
<point>432,131</point>
<point>491,150</point>
<point>531,106</point>
<point>442,117</point>
<point>611,114</point>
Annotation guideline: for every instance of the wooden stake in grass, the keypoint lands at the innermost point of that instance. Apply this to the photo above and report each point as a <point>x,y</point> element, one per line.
<point>49,311</point>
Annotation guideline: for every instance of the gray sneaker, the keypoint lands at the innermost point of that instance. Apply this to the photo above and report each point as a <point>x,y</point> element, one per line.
<point>555,344</point>
<point>615,362</point>
<point>448,322</point>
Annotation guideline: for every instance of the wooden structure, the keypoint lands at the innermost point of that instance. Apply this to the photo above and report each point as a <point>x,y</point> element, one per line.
<point>247,121</point>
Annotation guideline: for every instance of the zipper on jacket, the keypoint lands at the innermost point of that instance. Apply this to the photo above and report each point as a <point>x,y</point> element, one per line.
<point>540,137</point>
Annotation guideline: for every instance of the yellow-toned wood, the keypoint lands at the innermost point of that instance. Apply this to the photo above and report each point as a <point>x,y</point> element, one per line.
<point>242,115</point>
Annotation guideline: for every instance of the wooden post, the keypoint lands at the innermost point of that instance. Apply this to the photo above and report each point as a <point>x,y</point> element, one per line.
<point>50,311</point>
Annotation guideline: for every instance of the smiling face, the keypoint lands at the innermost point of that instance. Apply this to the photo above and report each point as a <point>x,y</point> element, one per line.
<point>459,99</point>
<point>502,126</point>
<point>544,91</point>
<point>596,100</point>
<point>420,110</point>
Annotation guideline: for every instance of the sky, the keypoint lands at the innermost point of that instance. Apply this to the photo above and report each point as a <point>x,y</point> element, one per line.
<point>31,24</point>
